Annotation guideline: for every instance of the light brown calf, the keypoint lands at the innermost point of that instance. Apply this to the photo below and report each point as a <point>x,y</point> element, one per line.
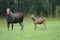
<point>39,21</point>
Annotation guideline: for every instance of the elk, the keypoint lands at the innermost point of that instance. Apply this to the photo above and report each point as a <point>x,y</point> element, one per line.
<point>36,21</point>
<point>14,18</point>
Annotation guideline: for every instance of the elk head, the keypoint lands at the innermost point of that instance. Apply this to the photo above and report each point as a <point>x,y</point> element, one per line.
<point>8,10</point>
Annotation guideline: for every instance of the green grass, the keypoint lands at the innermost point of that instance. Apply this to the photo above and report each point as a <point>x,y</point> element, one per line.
<point>52,32</point>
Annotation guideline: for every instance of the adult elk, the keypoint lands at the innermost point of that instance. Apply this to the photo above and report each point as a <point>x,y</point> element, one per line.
<point>36,21</point>
<point>14,18</point>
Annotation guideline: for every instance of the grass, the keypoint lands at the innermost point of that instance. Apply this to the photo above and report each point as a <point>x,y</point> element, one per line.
<point>52,32</point>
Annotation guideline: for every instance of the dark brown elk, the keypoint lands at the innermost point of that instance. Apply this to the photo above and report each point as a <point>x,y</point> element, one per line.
<point>14,18</point>
<point>36,21</point>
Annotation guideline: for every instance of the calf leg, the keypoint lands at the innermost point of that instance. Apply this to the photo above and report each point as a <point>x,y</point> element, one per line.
<point>44,25</point>
<point>35,26</point>
<point>21,26</point>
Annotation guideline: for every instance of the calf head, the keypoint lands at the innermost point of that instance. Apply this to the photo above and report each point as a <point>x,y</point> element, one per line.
<point>33,17</point>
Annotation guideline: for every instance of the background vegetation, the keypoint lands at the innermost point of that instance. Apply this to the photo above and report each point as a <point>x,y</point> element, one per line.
<point>46,8</point>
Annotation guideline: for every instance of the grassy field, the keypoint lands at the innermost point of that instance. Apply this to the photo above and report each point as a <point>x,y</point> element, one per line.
<point>52,32</point>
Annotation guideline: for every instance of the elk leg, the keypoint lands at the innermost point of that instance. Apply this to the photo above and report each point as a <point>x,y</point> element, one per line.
<point>8,25</point>
<point>21,26</point>
<point>12,26</point>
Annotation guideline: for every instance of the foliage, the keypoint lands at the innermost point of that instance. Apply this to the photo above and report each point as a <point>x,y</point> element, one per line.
<point>45,8</point>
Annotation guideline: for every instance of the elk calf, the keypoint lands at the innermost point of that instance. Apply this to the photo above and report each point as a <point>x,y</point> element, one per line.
<point>38,21</point>
<point>14,18</point>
